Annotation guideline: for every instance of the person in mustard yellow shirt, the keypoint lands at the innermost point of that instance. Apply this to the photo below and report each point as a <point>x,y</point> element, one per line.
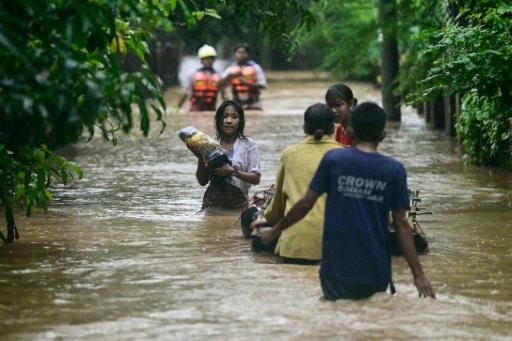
<point>302,243</point>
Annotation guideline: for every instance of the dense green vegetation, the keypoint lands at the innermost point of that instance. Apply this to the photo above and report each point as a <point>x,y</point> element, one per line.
<point>60,76</point>
<point>61,79</point>
<point>473,58</point>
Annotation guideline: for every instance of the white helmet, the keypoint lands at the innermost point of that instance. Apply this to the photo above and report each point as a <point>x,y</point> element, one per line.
<point>206,51</point>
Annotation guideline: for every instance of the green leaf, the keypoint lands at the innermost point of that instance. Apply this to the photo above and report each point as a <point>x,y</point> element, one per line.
<point>64,176</point>
<point>212,13</point>
<point>41,179</point>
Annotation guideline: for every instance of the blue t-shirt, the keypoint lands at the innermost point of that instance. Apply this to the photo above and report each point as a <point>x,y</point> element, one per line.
<point>361,189</point>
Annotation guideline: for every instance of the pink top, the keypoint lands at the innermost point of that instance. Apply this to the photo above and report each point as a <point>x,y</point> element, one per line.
<point>342,137</point>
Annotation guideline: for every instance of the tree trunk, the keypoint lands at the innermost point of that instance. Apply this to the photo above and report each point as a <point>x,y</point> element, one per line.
<point>389,59</point>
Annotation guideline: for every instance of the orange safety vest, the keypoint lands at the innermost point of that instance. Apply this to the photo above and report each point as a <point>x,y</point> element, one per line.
<point>242,92</point>
<point>204,88</point>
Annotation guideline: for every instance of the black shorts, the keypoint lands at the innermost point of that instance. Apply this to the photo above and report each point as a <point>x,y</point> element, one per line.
<point>335,290</point>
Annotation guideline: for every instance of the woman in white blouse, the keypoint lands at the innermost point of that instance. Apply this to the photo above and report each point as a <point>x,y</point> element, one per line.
<point>229,183</point>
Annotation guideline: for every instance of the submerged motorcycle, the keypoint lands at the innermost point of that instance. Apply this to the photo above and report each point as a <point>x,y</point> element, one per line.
<point>260,200</point>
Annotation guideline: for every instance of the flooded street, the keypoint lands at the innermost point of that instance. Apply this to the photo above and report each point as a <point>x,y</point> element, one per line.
<point>125,255</point>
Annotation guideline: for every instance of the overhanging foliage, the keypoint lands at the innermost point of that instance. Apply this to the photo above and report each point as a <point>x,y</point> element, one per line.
<point>475,61</point>
<point>61,79</point>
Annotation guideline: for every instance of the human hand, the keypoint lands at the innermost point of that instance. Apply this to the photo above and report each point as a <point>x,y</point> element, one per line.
<point>411,225</point>
<point>268,235</point>
<point>225,170</point>
<point>234,74</point>
<point>244,81</point>
<point>258,222</point>
<point>423,286</point>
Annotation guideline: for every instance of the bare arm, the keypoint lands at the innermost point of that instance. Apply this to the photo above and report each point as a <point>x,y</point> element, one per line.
<point>223,83</point>
<point>250,177</point>
<point>296,213</point>
<point>187,91</point>
<point>261,80</point>
<point>258,222</point>
<point>252,85</point>
<point>227,76</point>
<point>201,172</point>
<point>224,93</point>
<point>226,170</point>
<point>182,99</point>
<point>403,232</point>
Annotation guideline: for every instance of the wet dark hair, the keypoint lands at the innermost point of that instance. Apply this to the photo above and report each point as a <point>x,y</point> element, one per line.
<point>339,91</point>
<point>219,117</point>
<point>319,120</point>
<point>368,121</point>
<point>244,46</point>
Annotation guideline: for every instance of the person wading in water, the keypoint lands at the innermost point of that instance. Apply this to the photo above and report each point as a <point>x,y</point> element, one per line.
<point>229,183</point>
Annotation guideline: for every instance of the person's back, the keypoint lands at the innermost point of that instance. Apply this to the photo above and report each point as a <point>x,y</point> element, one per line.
<point>362,187</point>
<point>303,242</point>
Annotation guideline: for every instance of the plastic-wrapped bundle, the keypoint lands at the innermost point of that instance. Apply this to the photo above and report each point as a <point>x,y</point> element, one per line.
<point>202,144</point>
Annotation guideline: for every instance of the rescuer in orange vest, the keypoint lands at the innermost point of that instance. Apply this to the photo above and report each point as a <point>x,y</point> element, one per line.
<point>203,85</point>
<point>246,78</point>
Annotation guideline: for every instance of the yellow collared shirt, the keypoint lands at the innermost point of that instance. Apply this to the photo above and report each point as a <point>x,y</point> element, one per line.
<point>297,167</point>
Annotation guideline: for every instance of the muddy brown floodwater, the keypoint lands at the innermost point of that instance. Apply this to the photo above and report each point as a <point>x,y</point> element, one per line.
<point>124,255</point>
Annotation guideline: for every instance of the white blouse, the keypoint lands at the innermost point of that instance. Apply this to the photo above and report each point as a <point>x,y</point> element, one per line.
<point>245,155</point>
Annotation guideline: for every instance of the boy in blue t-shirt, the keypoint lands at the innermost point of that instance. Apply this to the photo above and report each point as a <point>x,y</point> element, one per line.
<point>362,187</point>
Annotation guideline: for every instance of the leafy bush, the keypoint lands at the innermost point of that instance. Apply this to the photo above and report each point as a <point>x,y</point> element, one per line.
<point>475,61</point>
<point>61,79</point>
<point>484,130</point>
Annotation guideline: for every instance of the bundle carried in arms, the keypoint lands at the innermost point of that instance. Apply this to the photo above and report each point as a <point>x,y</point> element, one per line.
<point>202,144</point>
